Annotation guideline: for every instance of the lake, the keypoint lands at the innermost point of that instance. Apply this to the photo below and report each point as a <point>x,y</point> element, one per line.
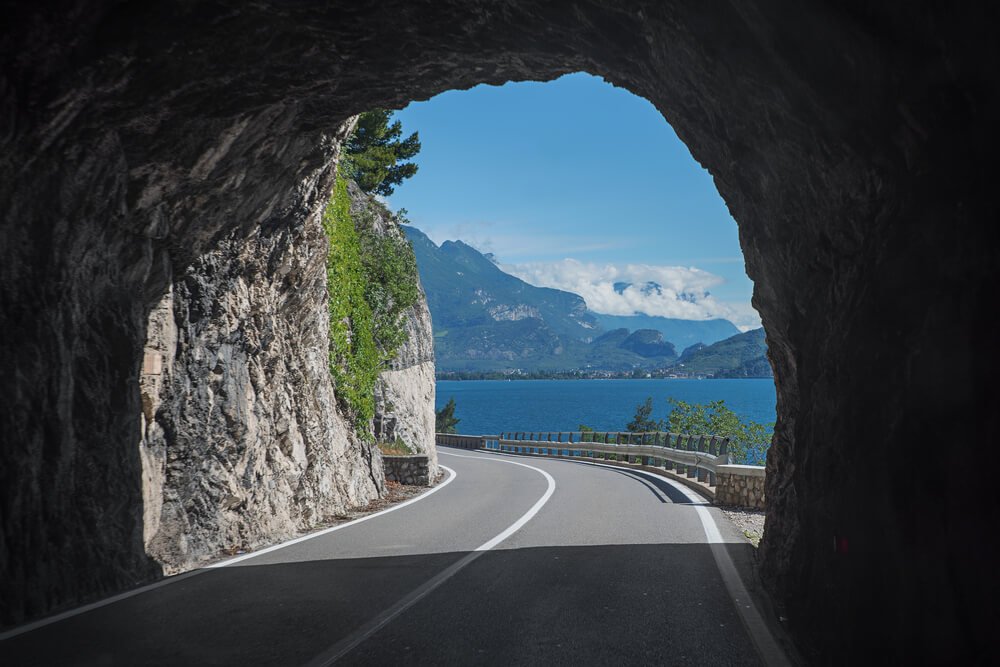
<point>492,406</point>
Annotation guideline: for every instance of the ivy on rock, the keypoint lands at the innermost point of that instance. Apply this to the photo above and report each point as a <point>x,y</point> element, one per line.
<point>371,281</point>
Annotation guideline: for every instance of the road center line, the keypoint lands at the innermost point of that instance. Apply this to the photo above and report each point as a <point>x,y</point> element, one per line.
<point>767,646</point>
<point>350,642</point>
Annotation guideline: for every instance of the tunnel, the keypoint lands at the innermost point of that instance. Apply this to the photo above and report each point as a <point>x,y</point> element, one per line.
<point>851,142</point>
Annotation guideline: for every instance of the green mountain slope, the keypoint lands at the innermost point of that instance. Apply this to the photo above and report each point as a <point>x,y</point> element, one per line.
<point>488,320</point>
<point>464,288</point>
<point>682,333</point>
<point>742,355</point>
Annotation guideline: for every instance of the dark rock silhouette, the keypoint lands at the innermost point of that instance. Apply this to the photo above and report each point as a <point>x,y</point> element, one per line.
<point>852,143</point>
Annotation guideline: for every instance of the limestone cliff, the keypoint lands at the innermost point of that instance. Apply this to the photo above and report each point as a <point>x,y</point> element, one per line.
<point>404,393</point>
<point>242,439</point>
<point>243,442</point>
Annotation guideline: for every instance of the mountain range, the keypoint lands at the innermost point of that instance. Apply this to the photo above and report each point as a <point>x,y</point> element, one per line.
<point>486,320</point>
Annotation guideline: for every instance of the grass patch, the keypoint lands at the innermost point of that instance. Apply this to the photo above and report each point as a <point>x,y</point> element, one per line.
<point>398,448</point>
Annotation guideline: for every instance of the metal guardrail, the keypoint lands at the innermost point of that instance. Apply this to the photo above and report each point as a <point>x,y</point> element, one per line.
<point>696,456</point>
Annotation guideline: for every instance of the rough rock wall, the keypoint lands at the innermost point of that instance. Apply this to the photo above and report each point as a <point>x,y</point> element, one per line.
<point>404,396</point>
<point>852,141</point>
<point>243,442</point>
<point>101,210</point>
<point>404,392</point>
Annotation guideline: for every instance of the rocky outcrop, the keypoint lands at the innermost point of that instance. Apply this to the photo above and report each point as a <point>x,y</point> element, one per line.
<point>243,440</point>
<point>404,392</point>
<point>404,402</point>
<point>853,143</point>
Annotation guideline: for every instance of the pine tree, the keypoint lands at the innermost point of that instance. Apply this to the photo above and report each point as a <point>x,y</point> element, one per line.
<point>444,419</point>
<point>641,422</point>
<point>376,158</point>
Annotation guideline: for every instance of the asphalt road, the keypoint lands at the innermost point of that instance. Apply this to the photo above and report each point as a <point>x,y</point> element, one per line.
<point>514,561</point>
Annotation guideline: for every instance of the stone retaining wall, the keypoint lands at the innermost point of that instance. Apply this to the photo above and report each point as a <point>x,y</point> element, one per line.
<point>742,486</point>
<point>413,470</point>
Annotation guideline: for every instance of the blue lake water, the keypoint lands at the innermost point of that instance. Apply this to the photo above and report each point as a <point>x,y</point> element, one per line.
<point>492,406</point>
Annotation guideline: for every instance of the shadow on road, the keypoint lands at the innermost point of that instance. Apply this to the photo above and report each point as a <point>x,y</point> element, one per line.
<point>612,604</point>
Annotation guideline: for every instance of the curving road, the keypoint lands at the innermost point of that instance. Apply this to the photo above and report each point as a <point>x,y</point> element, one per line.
<point>512,560</point>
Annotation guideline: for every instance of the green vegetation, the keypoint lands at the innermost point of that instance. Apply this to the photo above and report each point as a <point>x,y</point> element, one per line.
<point>375,156</point>
<point>391,283</point>
<point>642,422</point>
<point>371,276</point>
<point>354,359</point>
<point>397,448</point>
<point>371,279</point>
<point>748,440</point>
<point>444,419</point>
<point>742,355</point>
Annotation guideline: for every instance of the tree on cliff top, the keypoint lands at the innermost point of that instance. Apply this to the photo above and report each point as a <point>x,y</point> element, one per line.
<point>376,157</point>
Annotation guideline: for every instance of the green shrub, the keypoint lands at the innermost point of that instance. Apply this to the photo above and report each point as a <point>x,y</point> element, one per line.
<point>444,419</point>
<point>371,280</point>
<point>354,359</point>
<point>748,440</point>
<point>391,285</point>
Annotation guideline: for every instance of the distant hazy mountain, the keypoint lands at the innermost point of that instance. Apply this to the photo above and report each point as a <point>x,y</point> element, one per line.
<point>742,355</point>
<point>682,333</point>
<point>486,320</point>
<point>465,288</point>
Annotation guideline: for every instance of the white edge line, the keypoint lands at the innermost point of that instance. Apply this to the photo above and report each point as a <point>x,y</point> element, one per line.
<point>767,646</point>
<point>19,630</point>
<point>327,531</point>
<point>349,643</point>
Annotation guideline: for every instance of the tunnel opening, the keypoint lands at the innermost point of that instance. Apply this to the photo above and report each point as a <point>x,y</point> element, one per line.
<point>578,187</point>
<point>849,143</point>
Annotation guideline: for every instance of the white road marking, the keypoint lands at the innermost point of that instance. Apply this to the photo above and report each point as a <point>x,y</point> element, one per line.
<point>327,531</point>
<point>28,627</point>
<point>347,644</point>
<point>767,646</point>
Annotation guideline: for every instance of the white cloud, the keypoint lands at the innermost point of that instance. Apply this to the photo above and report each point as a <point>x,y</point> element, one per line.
<point>684,292</point>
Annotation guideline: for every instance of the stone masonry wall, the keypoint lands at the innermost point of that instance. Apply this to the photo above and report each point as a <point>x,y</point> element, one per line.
<point>741,488</point>
<point>407,469</point>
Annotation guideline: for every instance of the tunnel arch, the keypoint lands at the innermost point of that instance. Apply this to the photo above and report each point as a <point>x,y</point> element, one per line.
<point>140,136</point>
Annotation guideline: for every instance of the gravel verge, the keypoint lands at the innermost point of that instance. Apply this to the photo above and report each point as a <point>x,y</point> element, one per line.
<point>750,522</point>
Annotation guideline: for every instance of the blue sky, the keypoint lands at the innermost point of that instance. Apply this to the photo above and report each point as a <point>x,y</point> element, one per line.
<point>577,184</point>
